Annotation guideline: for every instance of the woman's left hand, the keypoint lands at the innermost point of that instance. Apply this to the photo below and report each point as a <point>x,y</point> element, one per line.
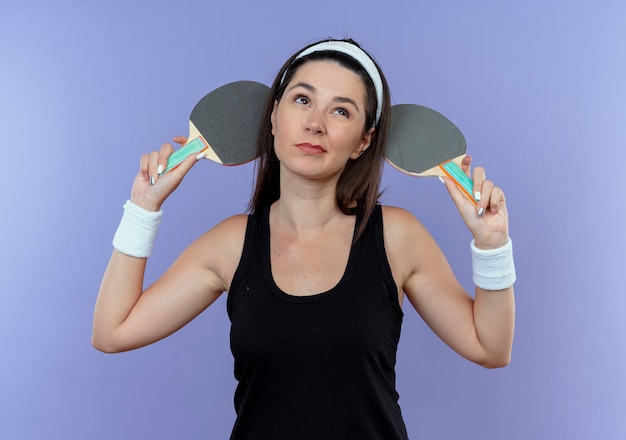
<point>489,221</point>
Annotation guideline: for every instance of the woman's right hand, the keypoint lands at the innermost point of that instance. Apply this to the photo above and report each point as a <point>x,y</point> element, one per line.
<point>151,189</point>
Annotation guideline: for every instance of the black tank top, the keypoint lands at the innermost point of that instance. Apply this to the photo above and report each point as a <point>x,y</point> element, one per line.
<point>317,367</point>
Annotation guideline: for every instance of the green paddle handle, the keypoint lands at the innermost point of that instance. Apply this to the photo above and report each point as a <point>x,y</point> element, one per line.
<point>463,182</point>
<point>192,147</point>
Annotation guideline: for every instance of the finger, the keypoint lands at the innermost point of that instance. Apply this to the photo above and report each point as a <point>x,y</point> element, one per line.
<point>497,200</point>
<point>478,178</point>
<point>485,190</point>
<point>466,164</point>
<point>181,140</point>
<point>153,164</point>
<point>165,152</point>
<point>455,193</point>
<point>143,167</point>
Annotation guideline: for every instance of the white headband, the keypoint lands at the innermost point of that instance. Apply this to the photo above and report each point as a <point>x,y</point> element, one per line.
<point>359,55</point>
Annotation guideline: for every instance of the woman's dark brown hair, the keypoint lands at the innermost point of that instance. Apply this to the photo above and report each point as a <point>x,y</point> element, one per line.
<point>358,188</point>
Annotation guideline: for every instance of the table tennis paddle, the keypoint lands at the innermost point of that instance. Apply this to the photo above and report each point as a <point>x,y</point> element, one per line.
<point>224,125</point>
<point>423,142</point>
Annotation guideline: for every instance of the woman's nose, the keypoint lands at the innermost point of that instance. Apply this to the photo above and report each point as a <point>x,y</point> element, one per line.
<point>315,122</point>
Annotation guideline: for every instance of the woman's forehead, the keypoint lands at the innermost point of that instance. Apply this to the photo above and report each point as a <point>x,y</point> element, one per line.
<point>328,74</point>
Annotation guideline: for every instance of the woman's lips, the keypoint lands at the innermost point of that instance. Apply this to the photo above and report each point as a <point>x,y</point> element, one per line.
<point>311,148</point>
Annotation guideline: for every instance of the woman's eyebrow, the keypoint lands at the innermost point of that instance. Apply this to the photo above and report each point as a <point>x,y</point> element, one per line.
<point>307,86</point>
<point>347,100</point>
<point>312,89</point>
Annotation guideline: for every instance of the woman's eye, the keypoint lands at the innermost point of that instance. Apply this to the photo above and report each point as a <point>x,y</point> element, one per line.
<point>343,112</point>
<point>302,100</point>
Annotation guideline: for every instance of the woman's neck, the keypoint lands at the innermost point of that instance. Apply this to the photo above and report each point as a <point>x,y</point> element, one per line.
<point>307,207</point>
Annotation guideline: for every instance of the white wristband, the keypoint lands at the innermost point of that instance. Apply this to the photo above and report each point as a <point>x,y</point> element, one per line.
<point>137,231</point>
<point>494,268</point>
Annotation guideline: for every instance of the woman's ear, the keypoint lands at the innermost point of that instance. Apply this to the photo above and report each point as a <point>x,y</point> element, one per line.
<point>366,140</point>
<point>273,117</point>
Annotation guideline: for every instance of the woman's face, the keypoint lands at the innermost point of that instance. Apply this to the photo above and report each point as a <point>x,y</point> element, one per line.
<point>318,124</point>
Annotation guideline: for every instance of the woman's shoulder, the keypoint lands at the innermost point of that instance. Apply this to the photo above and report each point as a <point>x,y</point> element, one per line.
<point>236,221</point>
<point>401,226</point>
<point>408,244</point>
<point>220,248</point>
<point>398,217</point>
<point>229,229</point>
<point>225,238</point>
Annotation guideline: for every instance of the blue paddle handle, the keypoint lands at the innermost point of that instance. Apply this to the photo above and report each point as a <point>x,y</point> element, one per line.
<point>463,182</point>
<point>192,147</point>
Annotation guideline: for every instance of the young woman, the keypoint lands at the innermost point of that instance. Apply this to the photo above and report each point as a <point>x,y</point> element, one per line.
<point>317,273</point>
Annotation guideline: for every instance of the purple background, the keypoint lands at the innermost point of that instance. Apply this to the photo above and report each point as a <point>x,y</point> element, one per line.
<point>538,89</point>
